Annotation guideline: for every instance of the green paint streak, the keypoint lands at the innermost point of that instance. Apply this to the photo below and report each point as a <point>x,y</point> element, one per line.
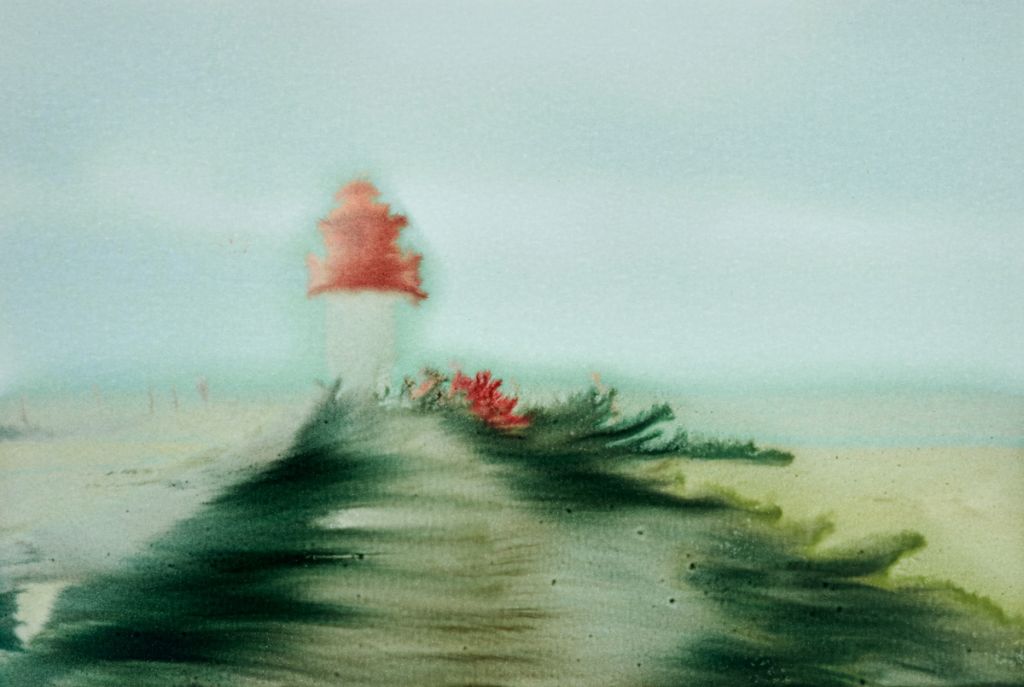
<point>8,640</point>
<point>253,589</point>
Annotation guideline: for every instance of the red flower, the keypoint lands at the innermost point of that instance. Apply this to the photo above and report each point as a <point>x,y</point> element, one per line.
<point>487,403</point>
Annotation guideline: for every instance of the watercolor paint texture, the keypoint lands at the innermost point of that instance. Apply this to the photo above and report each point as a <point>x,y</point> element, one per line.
<point>511,344</point>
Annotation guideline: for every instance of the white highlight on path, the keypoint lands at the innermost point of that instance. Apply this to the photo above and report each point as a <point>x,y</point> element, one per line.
<point>35,603</point>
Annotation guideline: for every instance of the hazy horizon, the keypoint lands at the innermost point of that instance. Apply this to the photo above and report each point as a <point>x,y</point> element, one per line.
<point>700,194</point>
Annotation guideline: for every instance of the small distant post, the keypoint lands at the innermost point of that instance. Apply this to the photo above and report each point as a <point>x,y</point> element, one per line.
<point>174,397</point>
<point>203,387</point>
<point>152,400</point>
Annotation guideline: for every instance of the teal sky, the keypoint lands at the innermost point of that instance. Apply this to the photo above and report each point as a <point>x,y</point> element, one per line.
<point>684,193</point>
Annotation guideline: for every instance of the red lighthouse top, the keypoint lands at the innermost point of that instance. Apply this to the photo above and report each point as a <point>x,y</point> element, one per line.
<point>361,237</point>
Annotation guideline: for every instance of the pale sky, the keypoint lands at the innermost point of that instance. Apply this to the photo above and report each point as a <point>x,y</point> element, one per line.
<point>681,192</point>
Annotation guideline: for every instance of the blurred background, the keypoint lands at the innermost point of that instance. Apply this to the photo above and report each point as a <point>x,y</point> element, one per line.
<point>682,195</point>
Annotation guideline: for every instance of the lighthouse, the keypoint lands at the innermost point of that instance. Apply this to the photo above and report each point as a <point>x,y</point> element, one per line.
<point>363,278</point>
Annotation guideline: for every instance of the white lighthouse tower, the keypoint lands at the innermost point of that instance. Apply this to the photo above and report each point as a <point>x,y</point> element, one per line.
<point>363,278</point>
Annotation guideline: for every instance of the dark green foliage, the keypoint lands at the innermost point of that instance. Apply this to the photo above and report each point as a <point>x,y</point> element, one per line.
<point>790,616</point>
<point>226,597</point>
<point>224,586</point>
<point>588,426</point>
<point>577,449</point>
<point>718,449</point>
<point>8,640</point>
